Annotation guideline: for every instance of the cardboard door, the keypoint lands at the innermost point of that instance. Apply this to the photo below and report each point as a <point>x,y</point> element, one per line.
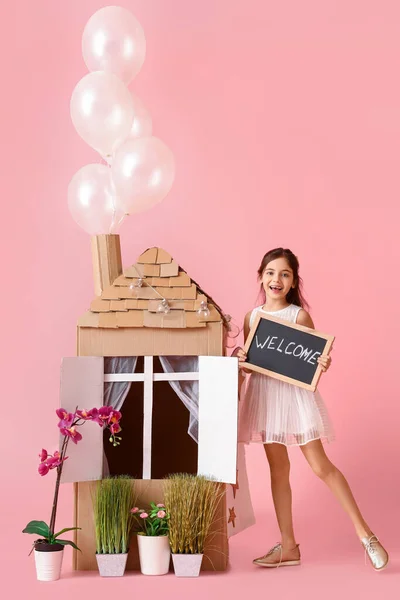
<point>218,417</point>
<point>82,386</point>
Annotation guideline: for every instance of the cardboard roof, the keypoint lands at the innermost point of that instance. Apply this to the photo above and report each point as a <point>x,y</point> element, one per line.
<point>123,305</point>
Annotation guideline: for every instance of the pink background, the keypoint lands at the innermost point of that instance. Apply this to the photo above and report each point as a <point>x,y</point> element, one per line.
<point>284,118</point>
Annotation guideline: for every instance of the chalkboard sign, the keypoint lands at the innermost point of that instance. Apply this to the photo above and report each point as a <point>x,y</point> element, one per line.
<point>286,351</point>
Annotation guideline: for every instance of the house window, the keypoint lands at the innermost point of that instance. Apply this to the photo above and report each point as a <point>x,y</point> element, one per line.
<point>159,417</point>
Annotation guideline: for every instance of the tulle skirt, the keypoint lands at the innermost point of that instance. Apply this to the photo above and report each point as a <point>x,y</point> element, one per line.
<point>276,411</point>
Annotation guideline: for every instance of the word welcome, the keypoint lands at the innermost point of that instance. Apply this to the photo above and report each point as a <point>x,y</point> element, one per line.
<point>296,350</point>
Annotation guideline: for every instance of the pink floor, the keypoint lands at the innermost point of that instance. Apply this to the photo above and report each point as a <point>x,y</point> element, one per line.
<point>333,566</point>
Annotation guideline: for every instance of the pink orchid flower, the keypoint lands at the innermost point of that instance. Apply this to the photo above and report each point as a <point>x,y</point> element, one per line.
<point>43,455</point>
<point>50,462</point>
<point>93,415</point>
<point>160,505</point>
<point>115,428</point>
<point>43,468</point>
<point>161,514</point>
<point>115,416</point>
<point>83,414</point>
<point>105,412</point>
<point>143,515</point>
<point>134,510</point>
<point>61,413</point>
<point>66,418</point>
<point>72,433</point>
<point>54,461</point>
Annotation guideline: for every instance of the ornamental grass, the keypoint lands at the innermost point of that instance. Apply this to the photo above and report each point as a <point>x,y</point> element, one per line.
<point>112,502</point>
<point>192,503</point>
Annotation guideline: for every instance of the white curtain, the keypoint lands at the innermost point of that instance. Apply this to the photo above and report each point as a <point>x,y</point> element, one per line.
<point>187,391</point>
<point>115,392</point>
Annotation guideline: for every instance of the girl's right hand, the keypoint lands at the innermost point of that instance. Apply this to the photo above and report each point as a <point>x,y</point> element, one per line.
<point>242,356</point>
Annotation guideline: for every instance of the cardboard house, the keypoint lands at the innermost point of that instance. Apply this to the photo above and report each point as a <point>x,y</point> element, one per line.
<point>146,349</point>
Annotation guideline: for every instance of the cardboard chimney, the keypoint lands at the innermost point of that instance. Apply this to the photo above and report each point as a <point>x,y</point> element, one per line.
<point>124,321</point>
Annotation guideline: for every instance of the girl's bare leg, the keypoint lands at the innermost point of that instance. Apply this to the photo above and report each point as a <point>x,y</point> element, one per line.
<point>337,483</point>
<point>279,463</point>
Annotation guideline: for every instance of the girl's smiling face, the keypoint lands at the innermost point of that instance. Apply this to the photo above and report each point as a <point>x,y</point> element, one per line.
<point>277,279</point>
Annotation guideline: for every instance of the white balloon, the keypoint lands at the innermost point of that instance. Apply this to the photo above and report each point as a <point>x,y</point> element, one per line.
<point>102,111</point>
<point>142,125</point>
<point>113,40</point>
<point>92,200</point>
<point>143,172</point>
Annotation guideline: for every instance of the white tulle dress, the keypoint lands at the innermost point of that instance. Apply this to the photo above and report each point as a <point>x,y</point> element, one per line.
<point>276,411</point>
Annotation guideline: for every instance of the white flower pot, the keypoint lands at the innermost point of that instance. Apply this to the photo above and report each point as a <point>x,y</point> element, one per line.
<point>154,554</point>
<point>48,561</point>
<point>187,565</point>
<point>111,565</point>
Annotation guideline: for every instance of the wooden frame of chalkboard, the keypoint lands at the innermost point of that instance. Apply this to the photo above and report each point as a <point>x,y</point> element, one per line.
<point>308,376</point>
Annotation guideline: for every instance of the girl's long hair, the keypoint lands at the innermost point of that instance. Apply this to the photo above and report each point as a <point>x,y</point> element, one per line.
<point>295,296</point>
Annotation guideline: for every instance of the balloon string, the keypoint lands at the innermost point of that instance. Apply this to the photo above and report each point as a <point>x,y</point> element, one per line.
<point>114,226</point>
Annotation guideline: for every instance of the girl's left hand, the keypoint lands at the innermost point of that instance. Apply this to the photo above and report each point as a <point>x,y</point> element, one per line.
<point>325,361</point>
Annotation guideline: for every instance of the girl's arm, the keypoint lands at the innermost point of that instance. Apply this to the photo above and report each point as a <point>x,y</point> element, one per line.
<point>246,326</point>
<point>304,318</point>
<point>241,354</point>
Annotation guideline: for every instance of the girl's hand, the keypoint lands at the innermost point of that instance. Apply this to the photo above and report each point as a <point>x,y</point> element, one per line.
<point>242,356</point>
<point>325,361</point>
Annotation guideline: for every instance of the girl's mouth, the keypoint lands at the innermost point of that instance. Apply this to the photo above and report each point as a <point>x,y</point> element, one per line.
<point>275,288</point>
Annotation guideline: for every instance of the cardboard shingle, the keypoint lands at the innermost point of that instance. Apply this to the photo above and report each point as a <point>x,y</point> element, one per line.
<point>149,256</point>
<point>163,257</point>
<point>169,270</point>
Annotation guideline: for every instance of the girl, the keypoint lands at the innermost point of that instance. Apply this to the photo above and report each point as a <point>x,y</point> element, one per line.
<point>279,414</point>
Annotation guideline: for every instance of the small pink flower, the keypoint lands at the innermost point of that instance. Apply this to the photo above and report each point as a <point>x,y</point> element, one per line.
<point>115,428</point>
<point>83,414</point>
<point>66,419</point>
<point>160,505</point>
<point>93,415</point>
<point>161,514</point>
<point>43,468</point>
<point>104,413</point>
<point>72,433</point>
<point>52,462</point>
<point>115,416</point>
<point>134,510</point>
<point>43,455</point>
<point>143,515</point>
<point>61,413</point>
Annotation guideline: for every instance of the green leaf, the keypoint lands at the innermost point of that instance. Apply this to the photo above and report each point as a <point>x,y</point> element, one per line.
<point>64,530</point>
<point>68,543</point>
<point>39,528</point>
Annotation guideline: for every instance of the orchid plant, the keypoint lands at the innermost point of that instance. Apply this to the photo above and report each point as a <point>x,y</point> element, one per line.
<point>69,424</point>
<point>154,522</point>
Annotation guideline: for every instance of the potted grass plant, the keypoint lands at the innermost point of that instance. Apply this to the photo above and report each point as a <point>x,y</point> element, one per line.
<point>153,544</point>
<point>49,547</point>
<point>113,520</point>
<point>192,502</point>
